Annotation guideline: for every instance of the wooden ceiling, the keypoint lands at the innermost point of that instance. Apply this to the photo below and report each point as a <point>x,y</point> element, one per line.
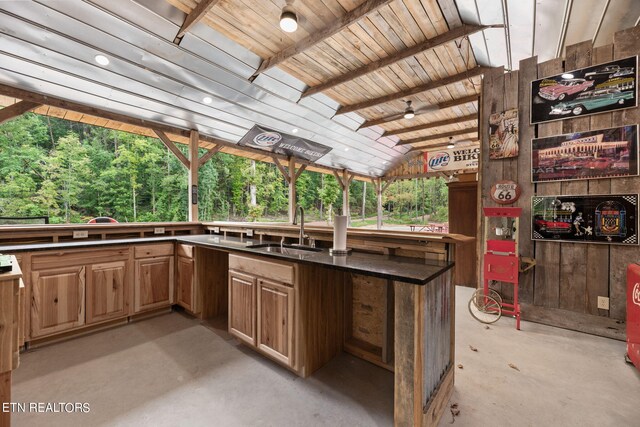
<point>338,40</point>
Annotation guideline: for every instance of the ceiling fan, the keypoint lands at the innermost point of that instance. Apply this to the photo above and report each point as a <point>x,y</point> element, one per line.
<point>410,112</point>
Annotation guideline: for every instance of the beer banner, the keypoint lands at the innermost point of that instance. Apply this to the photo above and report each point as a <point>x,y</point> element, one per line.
<point>452,159</point>
<point>281,143</point>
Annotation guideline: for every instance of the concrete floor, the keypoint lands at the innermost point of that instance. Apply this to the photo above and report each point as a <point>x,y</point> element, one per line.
<point>172,371</point>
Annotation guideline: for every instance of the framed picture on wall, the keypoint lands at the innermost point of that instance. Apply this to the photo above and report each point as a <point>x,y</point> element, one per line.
<point>596,89</point>
<point>603,153</point>
<point>609,219</point>
<point>503,134</point>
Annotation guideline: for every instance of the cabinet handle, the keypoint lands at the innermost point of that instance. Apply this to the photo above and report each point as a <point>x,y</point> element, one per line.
<point>55,300</point>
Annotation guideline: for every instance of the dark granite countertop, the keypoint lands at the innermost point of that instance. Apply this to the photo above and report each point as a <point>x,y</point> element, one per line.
<point>404,269</point>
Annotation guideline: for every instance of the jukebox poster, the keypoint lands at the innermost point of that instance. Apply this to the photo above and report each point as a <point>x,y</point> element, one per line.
<point>596,89</point>
<point>503,134</point>
<point>604,153</point>
<point>611,219</point>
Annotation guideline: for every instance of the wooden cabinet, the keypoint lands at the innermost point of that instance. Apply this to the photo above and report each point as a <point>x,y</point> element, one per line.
<point>106,291</point>
<point>73,288</point>
<point>275,320</point>
<point>185,277</point>
<point>262,306</point>
<point>154,283</point>
<point>154,276</point>
<point>57,300</point>
<point>242,306</point>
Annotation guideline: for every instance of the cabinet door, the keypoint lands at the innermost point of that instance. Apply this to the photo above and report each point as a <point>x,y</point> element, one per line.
<point>57,300</point>
<point>275,320</point>
<point>106,291</point>
<point>242,307</point>
<point>186,291</point>
<point>154,283</point>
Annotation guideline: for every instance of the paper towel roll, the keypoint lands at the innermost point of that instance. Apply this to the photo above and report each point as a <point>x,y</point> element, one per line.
<point>340,232</point>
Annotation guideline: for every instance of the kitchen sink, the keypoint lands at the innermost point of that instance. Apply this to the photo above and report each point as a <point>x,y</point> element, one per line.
<point>292,250</point>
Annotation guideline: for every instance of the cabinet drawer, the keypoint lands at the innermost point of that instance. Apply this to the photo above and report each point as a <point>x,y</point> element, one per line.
<point>185,251</point>
<point>72,258</point>
<point>147,251</point>
<point>263,268</point>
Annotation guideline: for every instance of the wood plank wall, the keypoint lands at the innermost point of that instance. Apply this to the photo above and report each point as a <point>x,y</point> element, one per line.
<point>563,288</point>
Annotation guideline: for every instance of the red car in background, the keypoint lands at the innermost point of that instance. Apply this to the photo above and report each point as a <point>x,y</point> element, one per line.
<point>550,226</point>
<point>102,220</point>
<point>564,88</point>
<point>600,163</point>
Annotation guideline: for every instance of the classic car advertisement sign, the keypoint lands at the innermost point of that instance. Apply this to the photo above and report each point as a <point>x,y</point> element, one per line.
<point>596,89</point>
<point>282,143</point>
<point>452,159</point>
<point>611,218</point>
<point>503,134</point>
<point>505,192</point>
<point>604,153</point>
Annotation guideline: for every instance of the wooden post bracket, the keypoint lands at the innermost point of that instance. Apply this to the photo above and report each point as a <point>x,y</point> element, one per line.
<point>282,169</point>
<point>209,154</point>
<point>17,109</point>
<point>173,148</point>
<point>286,173</point>
<point>387,184</point>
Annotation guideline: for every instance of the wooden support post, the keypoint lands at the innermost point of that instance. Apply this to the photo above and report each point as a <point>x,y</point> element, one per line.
<point>377,184</point>
<point>346,180</point>
<point>292,188</point>
<point>193,175</point>
<point>16,110</point>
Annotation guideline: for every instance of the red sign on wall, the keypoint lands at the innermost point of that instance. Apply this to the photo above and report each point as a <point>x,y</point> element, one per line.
<point>505,192</point>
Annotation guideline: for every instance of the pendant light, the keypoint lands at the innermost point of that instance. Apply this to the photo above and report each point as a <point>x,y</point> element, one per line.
<point>451,144</point>
<point>408,112</point>
<point>288,19</point>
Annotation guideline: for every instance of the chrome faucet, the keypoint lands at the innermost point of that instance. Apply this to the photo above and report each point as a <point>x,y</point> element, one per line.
<point>295,222</point>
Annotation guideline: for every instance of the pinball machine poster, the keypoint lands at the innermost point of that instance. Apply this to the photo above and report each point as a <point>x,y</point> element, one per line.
<point>603,153</point>
<point>596,89</point>
<point>608,219</point>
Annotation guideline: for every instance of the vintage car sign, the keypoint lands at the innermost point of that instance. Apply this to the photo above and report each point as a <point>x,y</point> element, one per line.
<point>505,192</point>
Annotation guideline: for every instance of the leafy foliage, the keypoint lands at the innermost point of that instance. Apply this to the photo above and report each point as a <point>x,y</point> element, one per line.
<point>72,172</point>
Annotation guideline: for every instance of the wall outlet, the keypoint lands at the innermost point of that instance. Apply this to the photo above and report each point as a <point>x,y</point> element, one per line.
<point>249,233</point>
<point>158,230</point>
<point>603,303</point>
<point>80,234</point>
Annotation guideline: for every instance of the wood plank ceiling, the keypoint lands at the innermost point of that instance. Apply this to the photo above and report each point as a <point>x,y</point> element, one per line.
<point>372,63</point>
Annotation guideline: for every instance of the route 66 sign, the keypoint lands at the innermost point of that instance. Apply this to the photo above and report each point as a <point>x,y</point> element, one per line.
<point>505,192</point>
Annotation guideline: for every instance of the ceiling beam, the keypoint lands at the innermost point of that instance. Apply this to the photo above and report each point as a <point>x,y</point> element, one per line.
<point>414,90</point>
<point>438,136</point>
<point>438,145</point>
<point>440,105</point>
<point>193,17</point>
<point>432,125</point>
<point>17,109</point>
<point>312,39</point>
<point>174,149</point>
<point>27,95</point>
<point>428,44</point>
